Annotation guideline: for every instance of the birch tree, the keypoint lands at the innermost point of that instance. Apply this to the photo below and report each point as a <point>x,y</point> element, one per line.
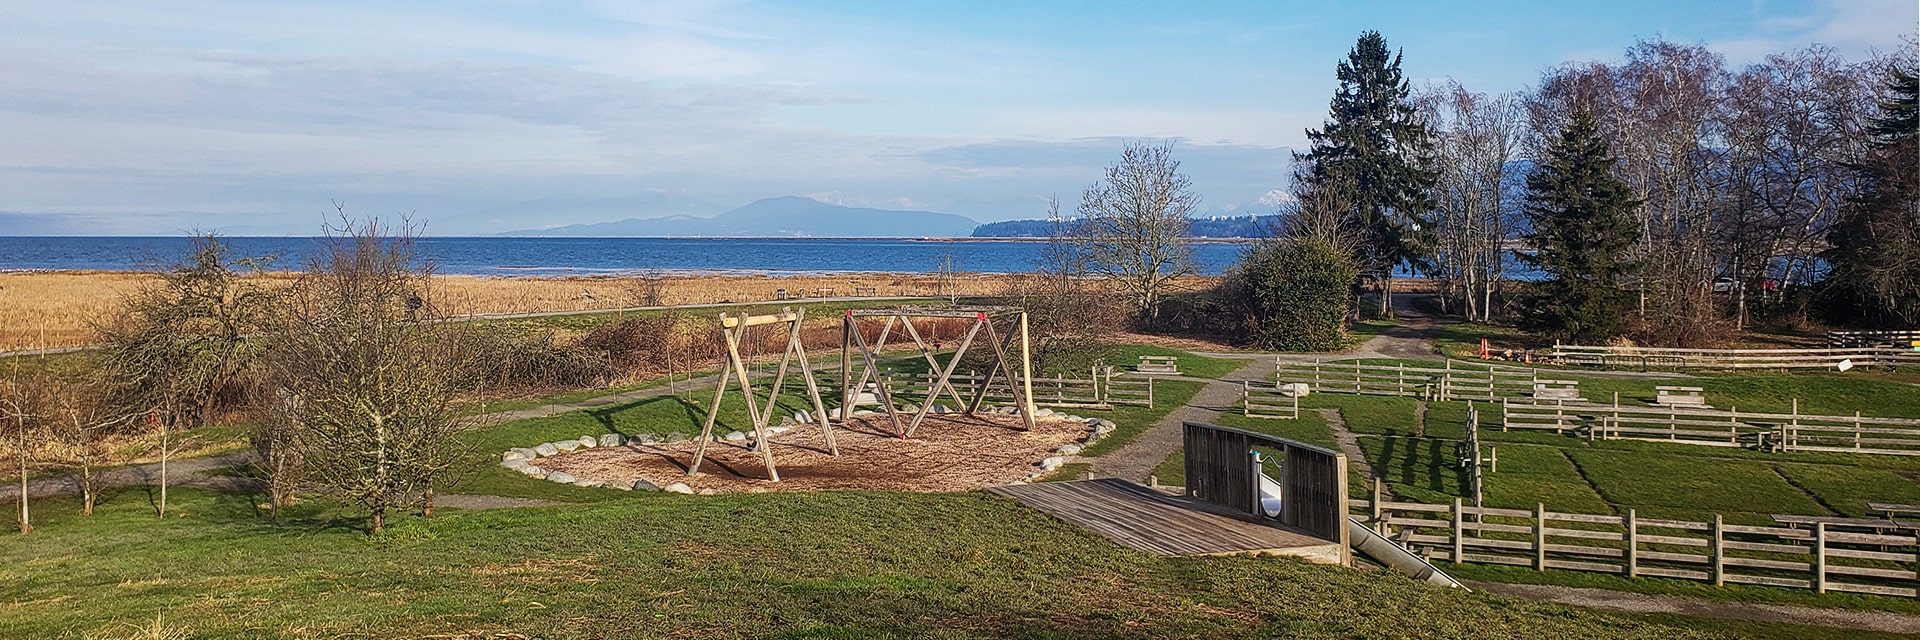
<point>1476,138</point>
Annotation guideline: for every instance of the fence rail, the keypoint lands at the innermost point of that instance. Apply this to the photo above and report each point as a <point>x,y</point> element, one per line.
<point>1824,557</point>
<point>1450,382</point>
<point>1855,339</point>
<point>1103,390</point>
<point>1792,431</point>
<point>1646,358</point>
<point>1267,402</point>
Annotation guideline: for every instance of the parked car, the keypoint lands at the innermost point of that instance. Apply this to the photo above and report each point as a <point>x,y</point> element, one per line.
<point>1725,284</point>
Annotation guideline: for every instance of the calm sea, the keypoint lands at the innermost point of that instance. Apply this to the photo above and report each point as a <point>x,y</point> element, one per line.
<point>586,256</point>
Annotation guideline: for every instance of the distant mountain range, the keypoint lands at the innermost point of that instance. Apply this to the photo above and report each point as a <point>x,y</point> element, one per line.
<point>784,217</point>
<point>1214,227</point>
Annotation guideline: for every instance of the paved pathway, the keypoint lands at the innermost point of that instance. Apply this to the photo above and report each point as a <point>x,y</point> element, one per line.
<point>1641,603</point>
<point>1147,450</point>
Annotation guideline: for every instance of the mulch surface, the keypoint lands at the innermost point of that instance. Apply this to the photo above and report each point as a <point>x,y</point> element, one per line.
<point>946,453</point>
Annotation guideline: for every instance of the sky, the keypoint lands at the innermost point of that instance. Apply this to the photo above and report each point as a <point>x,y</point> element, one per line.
<point>257,118</point>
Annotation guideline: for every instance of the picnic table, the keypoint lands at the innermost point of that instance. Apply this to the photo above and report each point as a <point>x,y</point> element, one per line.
<point>1895,510</point>
<point>1556,390</point>
<point>1879,525</point>
<point>1680,396</point>
<point>1169,365</point>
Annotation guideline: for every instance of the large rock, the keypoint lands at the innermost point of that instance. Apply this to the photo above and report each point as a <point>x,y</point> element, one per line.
<point>939,409</point>
<point>802,417</point>
<point>780,429</point>
<point>561,477</point>
<point>547,449</point>
<point>513,463</point>
<point>1052,463</point>
<point>736,436</point>
<point>1042,412</point>
<point>589,442</point>
<point>865,398</point>
<point>533,471</point>
<point>583,482</point>
<point>643,485</point>
<point>678,487</point>
<point>1068,449</point>
<point>525,452</point>
<point>644,438</point>
<point>1295,389</point>
<point>612,440</point>
<point>566,445</point>
<point>707,492</point>
<point>676,438</point>
<point>512,455</point>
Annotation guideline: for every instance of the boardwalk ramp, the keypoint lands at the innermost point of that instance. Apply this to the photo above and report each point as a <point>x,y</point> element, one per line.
<point>1141,518</point>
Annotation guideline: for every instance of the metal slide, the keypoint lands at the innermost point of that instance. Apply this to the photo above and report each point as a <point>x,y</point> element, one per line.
<point>1368,543</point>
<point>1394,556</point>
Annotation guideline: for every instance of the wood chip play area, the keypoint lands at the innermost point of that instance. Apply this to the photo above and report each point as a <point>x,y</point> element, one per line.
<point>949,452</point>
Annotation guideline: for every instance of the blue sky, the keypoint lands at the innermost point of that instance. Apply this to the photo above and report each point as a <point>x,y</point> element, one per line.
<point>252,117</point>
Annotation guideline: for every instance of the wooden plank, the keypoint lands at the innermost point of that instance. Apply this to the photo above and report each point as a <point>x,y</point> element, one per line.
<point>1143,519</point>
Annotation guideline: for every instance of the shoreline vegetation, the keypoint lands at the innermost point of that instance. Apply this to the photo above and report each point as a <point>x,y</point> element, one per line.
<point>55,309</point>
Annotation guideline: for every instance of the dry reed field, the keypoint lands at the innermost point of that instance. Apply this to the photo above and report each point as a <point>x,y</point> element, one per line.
<point>54,309</point>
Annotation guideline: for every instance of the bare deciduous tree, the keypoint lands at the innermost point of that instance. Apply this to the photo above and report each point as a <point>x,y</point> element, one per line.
<point>22,406</point>
<point>82,421</point>
<point>374,381</point>
<point>1135,223</point>
<point>1476,136</point>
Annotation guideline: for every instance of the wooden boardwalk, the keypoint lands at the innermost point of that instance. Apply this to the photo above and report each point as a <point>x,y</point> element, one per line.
<point>1147,520</point>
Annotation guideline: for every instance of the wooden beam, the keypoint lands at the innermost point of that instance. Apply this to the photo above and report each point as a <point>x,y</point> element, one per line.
<point>946,374</point>
<point>754,321</point>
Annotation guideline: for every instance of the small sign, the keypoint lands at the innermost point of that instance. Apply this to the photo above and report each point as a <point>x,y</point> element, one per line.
<point>1845,364</point>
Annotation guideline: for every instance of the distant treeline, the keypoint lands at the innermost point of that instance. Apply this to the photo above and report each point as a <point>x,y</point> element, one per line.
<point>1241,227</point>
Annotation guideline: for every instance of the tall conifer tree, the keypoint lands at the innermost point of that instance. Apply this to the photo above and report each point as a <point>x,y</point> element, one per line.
<point>1875,245</point>
<point>1583,231</point>
<point>1375,143</point>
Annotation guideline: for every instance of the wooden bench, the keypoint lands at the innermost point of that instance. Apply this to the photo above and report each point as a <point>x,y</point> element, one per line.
<point>867,292</point>
<point>1893,511</point>
<point>1679,397</point>
<point>1879,525</point>
<point>1169,365</point>
<point>1556,390</point>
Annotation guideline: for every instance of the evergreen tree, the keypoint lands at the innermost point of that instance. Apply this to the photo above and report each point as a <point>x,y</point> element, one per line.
<point>1875,246</point>
<point>1375,142</point>
<point>1582,231</point>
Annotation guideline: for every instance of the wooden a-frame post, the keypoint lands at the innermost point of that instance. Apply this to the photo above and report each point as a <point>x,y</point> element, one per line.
<point>1018,382</point>
<point>734,330</point>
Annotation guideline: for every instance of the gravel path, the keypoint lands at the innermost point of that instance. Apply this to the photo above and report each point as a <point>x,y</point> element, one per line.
<point>1641,603</point>
<point>1147,450</point>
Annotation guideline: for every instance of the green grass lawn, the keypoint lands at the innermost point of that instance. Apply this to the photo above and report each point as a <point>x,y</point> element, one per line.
<point>1131,421</point>
<point>818,565</point>
<point>1125,357</point>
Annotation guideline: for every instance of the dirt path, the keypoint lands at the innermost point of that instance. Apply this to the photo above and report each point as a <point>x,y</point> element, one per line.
<point>1350,445</point>
<point>1138,458</point>
<point>1641,603</point>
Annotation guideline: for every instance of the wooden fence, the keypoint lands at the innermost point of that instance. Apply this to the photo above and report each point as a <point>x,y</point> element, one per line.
<point>1102,390</point>
<point>1453,381</point>
<point>1223,468</point>
<point>1904,340</point>
<point>1648,358</point>
<point>1267,402</point>
<point>1823,557</point>
<point>1792,431</point>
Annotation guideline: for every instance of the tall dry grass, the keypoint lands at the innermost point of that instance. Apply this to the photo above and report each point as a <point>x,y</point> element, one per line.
<point>55,309</point>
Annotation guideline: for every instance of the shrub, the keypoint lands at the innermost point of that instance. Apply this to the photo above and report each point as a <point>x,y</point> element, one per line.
<point>1297,290</point>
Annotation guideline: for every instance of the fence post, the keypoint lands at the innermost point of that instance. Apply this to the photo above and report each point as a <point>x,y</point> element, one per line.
<point>1719,552</point>
<point>1379,523</point>
<point>1459,533</point>
<point>1400,380</point>
<point>1820,557</point>
<point>1856,430</point>
<point>1149,392</point>
<point>1539,536</point>
<point>1792,436</point>
<point>1633,544</point>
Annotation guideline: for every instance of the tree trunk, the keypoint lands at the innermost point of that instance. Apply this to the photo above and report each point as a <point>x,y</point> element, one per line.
<point>379,518</point>
<point>1386,294</point>
<point>86,488</point>
<point>426,502</point>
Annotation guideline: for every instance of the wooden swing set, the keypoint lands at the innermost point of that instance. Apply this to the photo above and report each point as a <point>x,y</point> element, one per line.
<point>735,331</point>
<point>1019,382</point>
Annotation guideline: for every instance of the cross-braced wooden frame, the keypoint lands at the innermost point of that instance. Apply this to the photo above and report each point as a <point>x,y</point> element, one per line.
<point>734,329</point>
<point>851,338</point>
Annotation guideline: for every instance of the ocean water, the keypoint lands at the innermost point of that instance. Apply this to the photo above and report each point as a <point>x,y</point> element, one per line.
<point>587,256</point>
